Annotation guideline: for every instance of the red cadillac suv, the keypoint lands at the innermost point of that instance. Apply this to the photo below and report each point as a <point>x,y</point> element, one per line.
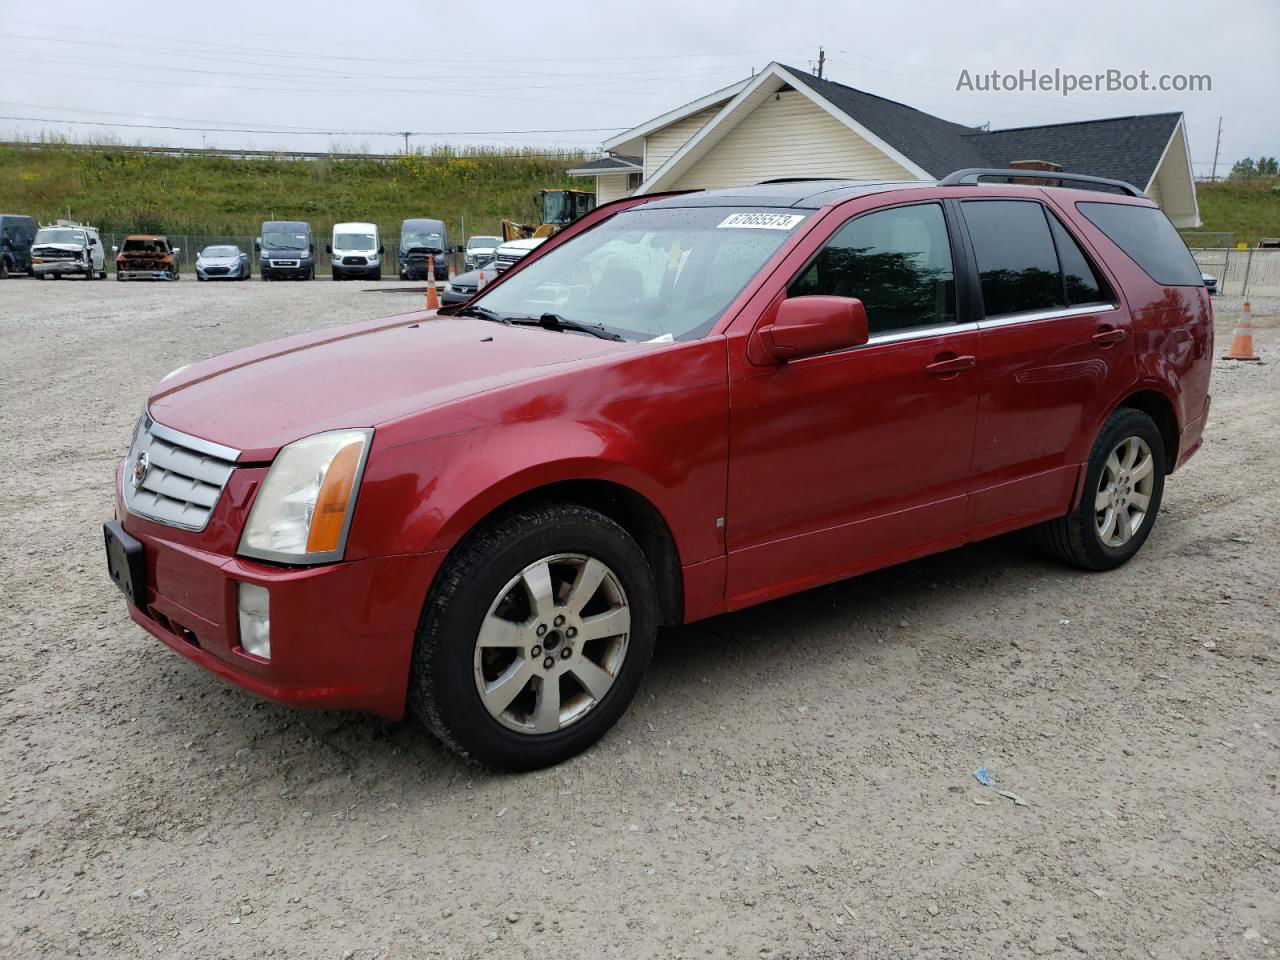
<point>681,405</point>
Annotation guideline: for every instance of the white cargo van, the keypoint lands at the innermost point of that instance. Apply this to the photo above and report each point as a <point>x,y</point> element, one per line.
<point>356,251</point>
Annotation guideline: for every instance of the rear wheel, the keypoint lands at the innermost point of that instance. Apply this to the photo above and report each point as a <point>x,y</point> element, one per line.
<point>535,637</point>
<point>4,269</point>
<point>1123,487</point>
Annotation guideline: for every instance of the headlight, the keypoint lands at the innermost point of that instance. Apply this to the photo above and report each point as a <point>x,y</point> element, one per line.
<point>304,509</point>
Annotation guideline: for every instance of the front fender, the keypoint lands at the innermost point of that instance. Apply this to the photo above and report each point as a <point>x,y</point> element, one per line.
<point>670,449</point>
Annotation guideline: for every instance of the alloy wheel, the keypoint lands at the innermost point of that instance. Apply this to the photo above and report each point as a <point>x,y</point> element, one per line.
<point>552,643</point>
<point>1124,491</point>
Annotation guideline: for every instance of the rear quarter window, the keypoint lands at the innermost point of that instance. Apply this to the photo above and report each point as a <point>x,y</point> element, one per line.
<point>1148,239</point>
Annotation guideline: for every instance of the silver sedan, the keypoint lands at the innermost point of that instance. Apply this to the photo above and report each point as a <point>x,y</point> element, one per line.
<point>223,262</point>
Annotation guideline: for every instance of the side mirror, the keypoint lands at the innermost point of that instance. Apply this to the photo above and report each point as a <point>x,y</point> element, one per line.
<point>808,326</point>
<point>328,248</point>
<point>176,251</point>
<point>93,242</point>
<point>257,245</point>
<point>381,249</point>
<point>114,248</point>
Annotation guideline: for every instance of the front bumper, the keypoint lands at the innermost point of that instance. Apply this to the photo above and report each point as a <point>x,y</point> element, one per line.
<point>449,297</point>
<point>341,634</point>
<point>237,273</point>
<point>269,268</point>
<point>61,267</point>
<point>143,275</point>
<point>356,270</point>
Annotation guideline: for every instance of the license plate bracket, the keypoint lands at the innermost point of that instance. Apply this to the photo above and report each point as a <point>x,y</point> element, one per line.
<point>126,563</point>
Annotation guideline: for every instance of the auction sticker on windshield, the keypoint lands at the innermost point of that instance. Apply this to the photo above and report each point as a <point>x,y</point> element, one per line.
<point>761,221</point>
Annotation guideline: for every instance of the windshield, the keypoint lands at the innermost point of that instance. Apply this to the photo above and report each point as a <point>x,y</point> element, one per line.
<point>354,241</point>
<point>220,252</point>
<point>60,236</point>
<point>432,241</point>
<point>141,245</point>
<point>648,273</point>
<point>284,240</point>
<point>483,242</point>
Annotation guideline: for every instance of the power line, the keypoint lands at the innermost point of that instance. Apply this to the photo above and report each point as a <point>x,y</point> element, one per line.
<point>234,126</point>
<point>308,133</point>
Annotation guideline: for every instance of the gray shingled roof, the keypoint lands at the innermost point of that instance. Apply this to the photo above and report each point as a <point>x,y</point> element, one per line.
<point>619,164</point>
<point>1125,148</point>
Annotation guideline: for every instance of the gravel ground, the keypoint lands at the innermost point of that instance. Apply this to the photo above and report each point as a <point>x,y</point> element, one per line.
<point>792,781</point>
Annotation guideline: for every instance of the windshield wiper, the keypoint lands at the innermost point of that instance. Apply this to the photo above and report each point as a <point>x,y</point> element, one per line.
<point>484,313</point>
<point>553,321</point>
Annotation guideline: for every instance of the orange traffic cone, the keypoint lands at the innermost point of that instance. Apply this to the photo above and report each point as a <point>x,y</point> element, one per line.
<point>1242,338</point>
<point>433,296</point>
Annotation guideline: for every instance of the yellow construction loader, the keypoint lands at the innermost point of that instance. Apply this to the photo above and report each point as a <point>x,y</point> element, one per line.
<point>555,209</point>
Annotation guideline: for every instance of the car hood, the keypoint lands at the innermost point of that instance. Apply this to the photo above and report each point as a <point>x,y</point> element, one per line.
<point>263,397</point>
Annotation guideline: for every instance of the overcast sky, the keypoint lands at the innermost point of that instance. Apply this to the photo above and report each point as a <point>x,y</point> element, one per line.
<point>491,72</point>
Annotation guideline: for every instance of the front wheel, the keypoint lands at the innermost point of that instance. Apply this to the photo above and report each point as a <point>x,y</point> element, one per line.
<point>535,637</point>
<point>1123,486</point>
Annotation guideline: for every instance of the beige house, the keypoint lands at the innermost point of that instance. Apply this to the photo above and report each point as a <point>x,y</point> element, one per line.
<point>784,122</point>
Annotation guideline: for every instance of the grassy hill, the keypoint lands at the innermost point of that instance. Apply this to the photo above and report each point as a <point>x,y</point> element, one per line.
<point>120,191</point>
<point>1249,209</point>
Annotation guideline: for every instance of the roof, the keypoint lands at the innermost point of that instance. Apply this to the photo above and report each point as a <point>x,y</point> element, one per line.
<point>937,145</point>
<point>1122,148</point>
<point>615,164</point>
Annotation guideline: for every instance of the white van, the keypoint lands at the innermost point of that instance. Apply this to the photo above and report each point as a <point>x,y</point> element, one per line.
<point>68,248</point>
<point>356,251</point>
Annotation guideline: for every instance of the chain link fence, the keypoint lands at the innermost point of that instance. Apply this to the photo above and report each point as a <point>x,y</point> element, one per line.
<point>1242,273</point>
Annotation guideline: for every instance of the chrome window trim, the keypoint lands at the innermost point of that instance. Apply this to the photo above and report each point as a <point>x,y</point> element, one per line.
<point>1056,313</point>
<point>918,333</point>
<point>193,443</point>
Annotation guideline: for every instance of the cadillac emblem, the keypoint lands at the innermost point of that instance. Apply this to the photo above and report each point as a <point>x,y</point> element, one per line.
<point>141,466</point>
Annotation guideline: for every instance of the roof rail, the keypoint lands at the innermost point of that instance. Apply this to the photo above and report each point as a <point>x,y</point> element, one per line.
<point>972,175</point>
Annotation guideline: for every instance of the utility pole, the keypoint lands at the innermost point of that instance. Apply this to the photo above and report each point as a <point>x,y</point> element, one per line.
<point>822,60</point>
<point>1213,173</point>
<point>405,134</point>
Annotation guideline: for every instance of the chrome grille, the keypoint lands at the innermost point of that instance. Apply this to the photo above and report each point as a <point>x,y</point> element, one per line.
<point>174,478</point>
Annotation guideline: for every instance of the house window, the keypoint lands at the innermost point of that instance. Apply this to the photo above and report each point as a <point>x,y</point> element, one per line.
<point>633,180</point>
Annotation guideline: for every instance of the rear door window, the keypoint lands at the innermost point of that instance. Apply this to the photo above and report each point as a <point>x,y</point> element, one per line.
<point>1148,238</point>
<point>896,261</point>
<point>1017,262</point>
<point>1082,282</point>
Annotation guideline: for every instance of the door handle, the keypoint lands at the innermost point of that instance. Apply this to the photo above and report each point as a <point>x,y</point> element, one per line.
<point>949,364</point>
<point>1108,335</point>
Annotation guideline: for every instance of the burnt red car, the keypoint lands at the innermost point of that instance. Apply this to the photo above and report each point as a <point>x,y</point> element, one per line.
<point>679,406</point>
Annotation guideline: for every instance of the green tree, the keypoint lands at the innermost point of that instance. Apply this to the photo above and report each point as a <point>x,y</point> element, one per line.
<point>1246,168</point>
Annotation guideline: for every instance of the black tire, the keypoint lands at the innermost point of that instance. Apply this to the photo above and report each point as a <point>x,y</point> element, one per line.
<point>403,275</point>
<point>377,274</point>
<point>442,685</point>
<point>119,278</point>
<point>335,275</point>
<point>1075,538</point>
<point>4,268</point>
